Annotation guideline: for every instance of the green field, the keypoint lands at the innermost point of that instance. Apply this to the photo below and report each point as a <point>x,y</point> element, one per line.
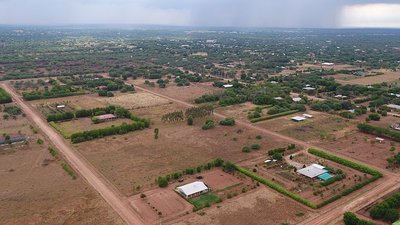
<point>205,200</point>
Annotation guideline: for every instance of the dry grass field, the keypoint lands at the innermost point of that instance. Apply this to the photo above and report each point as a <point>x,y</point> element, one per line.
<point>36,190</point>
<point>259,207</point>
<point>136,100</point>
<point>185,93</point>
<point>137,159</point>
<point>76,102</point>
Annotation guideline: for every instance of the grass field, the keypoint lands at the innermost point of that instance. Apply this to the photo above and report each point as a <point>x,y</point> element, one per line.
<point>204,200</point>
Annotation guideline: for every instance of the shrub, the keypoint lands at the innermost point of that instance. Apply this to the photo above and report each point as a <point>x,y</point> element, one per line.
<point>190,121</point>
<point>208,124</point>
<point>255,146</point>
<point>374,116</point>
<point>162,182</point>
<point>227,122</point>
<point>245,149</point>
<point>39,141</point>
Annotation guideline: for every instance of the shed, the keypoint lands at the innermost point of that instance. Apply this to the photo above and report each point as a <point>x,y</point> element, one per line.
<point>192,189</point>
<point>298,118</point>
<point>296,99</point>
<point>227,85</point>
<point>60,106</point>
<point>380,140</point>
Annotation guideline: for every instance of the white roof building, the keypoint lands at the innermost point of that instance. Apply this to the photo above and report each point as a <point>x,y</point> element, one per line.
<point>192,189</point>
<point>227,85</point>
<point>60,106</point>
<point>274,82</point>
<point>278,98</point>
<point>393,106</point>
<point>309,88</point>
<point>312,171</point>
<point>296,99</point>
<point>298,118</point>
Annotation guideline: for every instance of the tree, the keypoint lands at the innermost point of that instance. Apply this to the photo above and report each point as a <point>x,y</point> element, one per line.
<point>277,156</point>
<point>156,131</point>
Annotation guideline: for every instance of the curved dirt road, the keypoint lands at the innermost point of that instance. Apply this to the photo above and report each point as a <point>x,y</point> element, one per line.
<point>111,196</point>
<point>333,212</point>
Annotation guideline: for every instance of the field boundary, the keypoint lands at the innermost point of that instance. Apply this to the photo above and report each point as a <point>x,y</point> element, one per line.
<point>268,117</point>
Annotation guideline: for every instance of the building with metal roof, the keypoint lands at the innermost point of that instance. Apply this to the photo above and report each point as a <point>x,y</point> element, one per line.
<point>192,189</point>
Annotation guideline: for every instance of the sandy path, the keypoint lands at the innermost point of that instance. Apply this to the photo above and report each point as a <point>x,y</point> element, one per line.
<point>333,212</point>
<point>118,202</point>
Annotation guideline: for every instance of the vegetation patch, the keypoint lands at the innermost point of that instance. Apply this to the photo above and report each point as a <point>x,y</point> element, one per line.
<point>367,128</point>
<point>205,200</point>
<point>4,97</point>
<point>388,209</point>
<point>268,117</point>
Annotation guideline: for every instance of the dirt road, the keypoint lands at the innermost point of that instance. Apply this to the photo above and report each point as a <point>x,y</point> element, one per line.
<point>333,212</point>
<point>118,202</point>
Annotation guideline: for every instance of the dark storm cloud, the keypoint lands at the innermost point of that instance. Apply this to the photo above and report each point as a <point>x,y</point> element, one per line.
<point>262,13</point>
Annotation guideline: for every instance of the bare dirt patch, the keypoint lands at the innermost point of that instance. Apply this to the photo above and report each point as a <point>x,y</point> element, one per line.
<point>185,93</point>
<point>36,190</point>
<point>136,100</point>
<point>137,158</point>
<point>76,102</point>
<point>259,207</point>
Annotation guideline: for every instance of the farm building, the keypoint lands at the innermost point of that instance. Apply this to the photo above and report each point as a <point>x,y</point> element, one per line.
<point>327,64</point>
<point>192,189</point>
<point>60,106</point>
<point>315,170</point>
<point>298,118</point>
<point>227,85</point>
<point>308,88</point>
<point>393,106</point>
<point>12,139</point>
<point>106,117</point>
<point>296,99</point>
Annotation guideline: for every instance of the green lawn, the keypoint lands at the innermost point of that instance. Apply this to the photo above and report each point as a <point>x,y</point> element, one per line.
<point>204,200</point>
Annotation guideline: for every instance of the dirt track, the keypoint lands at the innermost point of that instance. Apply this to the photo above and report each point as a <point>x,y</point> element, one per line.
<point>118,202</point>
<point>332,213</point>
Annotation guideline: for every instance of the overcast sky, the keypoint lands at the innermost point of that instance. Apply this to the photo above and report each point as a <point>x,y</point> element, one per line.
<point>243,13</point>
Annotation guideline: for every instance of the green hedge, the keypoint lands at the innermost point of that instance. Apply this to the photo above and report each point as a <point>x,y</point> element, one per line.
<point>4,97</point>
<point>367,128</point>
<point>99,133</point>
<point>275,187</point>
<point>268,117</point>
<point>345,162</point>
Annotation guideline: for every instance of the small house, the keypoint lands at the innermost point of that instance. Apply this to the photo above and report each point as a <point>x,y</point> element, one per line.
<point>13,139</point>
<point>298,118</point>
<point>193,189</point>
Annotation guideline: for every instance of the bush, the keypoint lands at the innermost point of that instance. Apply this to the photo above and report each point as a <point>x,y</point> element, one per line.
<point>190,121</point>
<point>374,116</point>
<point>162,182</point>
<point>255,146</point>
<point>39,141</point>
<point>246,149</point>
<point>227,122</point>
<point>206,98</point>
<point>208,124</point>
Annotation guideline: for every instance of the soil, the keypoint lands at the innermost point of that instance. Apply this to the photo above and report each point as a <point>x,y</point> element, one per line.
<point>259,207</point>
